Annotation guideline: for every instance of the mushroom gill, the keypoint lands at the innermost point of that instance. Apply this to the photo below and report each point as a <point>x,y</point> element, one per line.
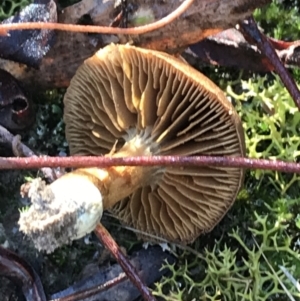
<point>127,101</point>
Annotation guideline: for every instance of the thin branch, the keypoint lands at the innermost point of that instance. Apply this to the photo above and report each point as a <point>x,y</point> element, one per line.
<point>249,27</point>
<point>77,296</point>
<point>4,28</point>
<point>21,273</point>
<point>86,161</point>
<point>21,149</point>
<point>127,267</point>
<point>9,139</point>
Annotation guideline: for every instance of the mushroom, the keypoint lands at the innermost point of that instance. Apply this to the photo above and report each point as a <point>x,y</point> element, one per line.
<point>128,101</point>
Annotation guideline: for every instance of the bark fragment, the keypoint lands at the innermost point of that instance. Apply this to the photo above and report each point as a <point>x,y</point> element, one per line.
<point>204,18</point>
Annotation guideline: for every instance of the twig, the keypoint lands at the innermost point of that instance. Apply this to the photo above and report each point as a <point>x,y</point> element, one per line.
<point>21,149</point>
<point>86,161</point>
<point>17,269</point>
<point>77,296</point>
<point>130,271</point>
<point>250,28</point>
<point>9,139</point>
<point>4,28</point>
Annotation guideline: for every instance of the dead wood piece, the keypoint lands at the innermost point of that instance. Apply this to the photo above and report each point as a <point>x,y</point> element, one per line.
<point>204,18</point>
<point>229,48</point>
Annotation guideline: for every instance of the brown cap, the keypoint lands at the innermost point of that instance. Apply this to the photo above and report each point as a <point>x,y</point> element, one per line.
<point>124,92</point>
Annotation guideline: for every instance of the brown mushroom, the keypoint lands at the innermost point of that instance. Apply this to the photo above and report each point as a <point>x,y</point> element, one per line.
<point>127,101</point>
<point>123,93</point>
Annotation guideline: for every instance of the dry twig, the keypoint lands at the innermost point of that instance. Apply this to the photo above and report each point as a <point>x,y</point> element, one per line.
<point>86,161</point>
<point>20,149</point>
<point>249,27</point>
<point>77,296</point>
<point>4,28</point>
<point>130,271</point>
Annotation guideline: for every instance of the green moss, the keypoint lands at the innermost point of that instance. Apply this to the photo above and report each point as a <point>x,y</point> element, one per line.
<point>10,7</point>
<point>280,19</point>
<point>48,134</point>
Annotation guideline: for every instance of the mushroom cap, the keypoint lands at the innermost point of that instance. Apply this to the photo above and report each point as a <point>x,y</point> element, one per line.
<point>123,89</point>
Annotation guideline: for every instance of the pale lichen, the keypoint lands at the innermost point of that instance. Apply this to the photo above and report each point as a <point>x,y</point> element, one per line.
<point>243,273</point>
<point>271,124</point>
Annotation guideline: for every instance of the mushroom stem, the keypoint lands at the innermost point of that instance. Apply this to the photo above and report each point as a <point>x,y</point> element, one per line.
<point>60,212</point>
<point>72,205</point>
<point>114,183</point>
<point>117,182</point>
